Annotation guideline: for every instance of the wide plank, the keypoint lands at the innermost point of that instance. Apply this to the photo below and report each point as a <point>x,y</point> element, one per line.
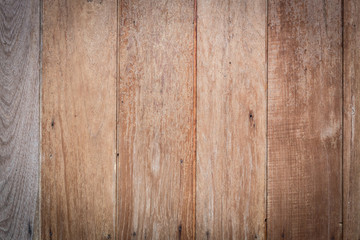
<point>19,117</point>
<point>78,175</point>
<point>304,119</point>
<point>231,119</point>
<point>155,119</point>
<point>351,75</point>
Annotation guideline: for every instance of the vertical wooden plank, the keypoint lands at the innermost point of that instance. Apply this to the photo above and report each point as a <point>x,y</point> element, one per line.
<point>78,119</point>
<point>351,204</point>
<point>155,119</point>
<point>231,119</point>
<point>19,117</point>
<point>304,119</point>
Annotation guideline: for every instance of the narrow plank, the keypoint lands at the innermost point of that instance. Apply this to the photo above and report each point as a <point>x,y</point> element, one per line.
<point>78,120</point>
<point>19,117</point>
<point>351,204</point>
<point>304,119</point>
<point>155,119</point>
<point>231,119</point>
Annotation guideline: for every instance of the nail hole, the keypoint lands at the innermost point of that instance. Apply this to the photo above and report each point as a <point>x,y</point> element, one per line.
<point>29,229</point>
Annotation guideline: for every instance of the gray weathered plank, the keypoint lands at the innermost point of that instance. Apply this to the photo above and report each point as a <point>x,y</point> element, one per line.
<point>19,117</point>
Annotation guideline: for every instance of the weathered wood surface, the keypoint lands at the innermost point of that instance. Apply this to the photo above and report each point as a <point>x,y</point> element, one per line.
<point>19,117</point>
<point>351,178</point>
<point>78,120</point>
<point>231,119</point>
<point>304,119</point>
<point>155,120</point>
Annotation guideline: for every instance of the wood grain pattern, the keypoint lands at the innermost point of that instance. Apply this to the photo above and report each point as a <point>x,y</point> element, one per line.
<point>351,166</point>
<point>304,119</point>
<point>79,119</point>
<point>155,119</point>
<point>231,119</point>
<point>19,117</point>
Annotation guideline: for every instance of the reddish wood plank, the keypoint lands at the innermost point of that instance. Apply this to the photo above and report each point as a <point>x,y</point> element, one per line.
<point>304,119</point>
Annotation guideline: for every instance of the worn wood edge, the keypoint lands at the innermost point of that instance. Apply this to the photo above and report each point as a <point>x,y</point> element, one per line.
<point>350,95</point>
<point>37,218</point>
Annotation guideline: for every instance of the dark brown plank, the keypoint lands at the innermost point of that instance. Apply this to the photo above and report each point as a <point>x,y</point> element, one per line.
<point>155,120</point>
<point>231,119</point>
<point>78,120</point>
<point>351,177</point>
<point>304,119</point>
<point>19,117</point>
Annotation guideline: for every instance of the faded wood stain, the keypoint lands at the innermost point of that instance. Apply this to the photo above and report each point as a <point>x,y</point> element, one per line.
<point>155,120</point>
<point>173,119</point>
<point>78,120</point>
<point>231,119</point>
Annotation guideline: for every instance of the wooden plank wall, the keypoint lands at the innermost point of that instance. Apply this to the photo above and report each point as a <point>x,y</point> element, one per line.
<point>304,119</point>
<point>155,119</point>
<point>231,119</point>
<point>19,117</point>
<point>179,119</point>
<point>351,197</point>
<point>78,175</point>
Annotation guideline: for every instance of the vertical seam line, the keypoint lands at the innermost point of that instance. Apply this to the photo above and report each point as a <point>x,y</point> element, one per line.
<point>116,121</point>
<point>195,118</point>
<point>40,116</point>
<point>343,116</point>
<point>267,115</point>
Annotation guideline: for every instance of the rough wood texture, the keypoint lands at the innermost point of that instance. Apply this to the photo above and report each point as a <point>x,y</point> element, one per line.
<point>304,119</point>
<point>78,119</point>
<point>19,117</point>
<point>155,120</point>
<point>351,120</point>
<point>231,112</point>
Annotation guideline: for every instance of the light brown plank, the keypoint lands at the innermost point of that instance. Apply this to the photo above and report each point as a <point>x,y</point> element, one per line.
<point>351,177</point>
<point>155,119</point>
<point>78,119</point>
<point>231,119</point>
<point>19,117</point>
<point>304,119</point>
